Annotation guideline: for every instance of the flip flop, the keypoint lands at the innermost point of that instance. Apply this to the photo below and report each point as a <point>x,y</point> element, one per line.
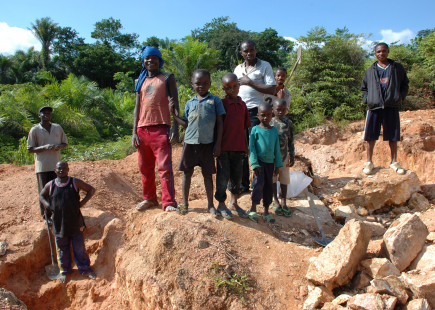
<point>253,216</point>
<point>182,209</point>
<point>225,212</point>
<point>170,209</point>
<point>397,168</point>
<point>278,210</point>
<point>143,205</point>
<point>287,212</point>
<point>268,218</point>
<point>241,213</point>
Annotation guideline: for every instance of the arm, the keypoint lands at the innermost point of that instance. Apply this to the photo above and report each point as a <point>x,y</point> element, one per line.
<point>219,130</point>
<point>173,103</point>
<point>262,88</point>
<point>90,191</point>
<point>291,146</point>
<point>364,89</point>
<point>43,196</point>
<point>404,86</point>
<point>277,151</point>
<point>134,138</point>
<point>253,158</point>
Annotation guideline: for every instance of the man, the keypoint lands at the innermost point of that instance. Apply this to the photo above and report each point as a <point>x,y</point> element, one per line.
<point>384,87</point>
<point>46,140</point>
<point>256,80</point>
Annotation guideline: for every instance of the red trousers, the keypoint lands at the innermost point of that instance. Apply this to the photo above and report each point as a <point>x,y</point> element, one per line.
<point>154,146</point>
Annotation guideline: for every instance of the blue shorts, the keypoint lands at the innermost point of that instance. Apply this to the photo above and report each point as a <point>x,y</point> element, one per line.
<point>390,121</point>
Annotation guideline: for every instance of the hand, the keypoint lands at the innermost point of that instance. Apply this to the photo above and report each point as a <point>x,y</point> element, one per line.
<point>135,141</point>
<point>276,171</point>
<point>245,80</point>
<point>216,150</point>
<point>171,106</point>
<point>280,94</point>
<point>257,171</point>
<point>174,136</point>
<point>48,147</point>
<point>291,162</point>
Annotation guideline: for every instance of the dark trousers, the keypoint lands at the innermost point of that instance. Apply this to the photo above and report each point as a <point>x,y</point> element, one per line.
<point>63,246</point>
<point>245,161</point>
<point>229,169</point>
<point>43,178</point>
<point>263,185</point>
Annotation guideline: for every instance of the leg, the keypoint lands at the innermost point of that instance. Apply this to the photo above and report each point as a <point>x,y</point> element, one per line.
<point>393,150</point>
<point>257,191</point>
<point>187,178</point>
<point>146,161</point>
<point>80,256</point>
<point>208,184</point>
<point>370,149</point>
<point>222,177</point>
<point>275,196</point>
<point>63,249</point>
<point>283,195</point>
<point>268,187</point>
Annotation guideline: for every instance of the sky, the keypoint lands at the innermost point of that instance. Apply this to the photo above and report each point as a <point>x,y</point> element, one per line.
<point>387,21</point>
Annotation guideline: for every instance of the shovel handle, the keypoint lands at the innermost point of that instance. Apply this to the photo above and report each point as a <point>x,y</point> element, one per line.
<point>49,237</point>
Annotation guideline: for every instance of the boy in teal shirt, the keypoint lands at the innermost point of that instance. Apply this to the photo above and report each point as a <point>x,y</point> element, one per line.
<point>265,158</point>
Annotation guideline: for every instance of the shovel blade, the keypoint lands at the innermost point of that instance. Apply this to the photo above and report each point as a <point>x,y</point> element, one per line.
<point>52,271</point>
<point>322,241</point>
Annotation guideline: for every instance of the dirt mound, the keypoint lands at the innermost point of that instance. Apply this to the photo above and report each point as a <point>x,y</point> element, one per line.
<point>160,260</point>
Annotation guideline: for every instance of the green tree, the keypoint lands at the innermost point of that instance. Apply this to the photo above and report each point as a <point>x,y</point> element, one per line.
<point>45,30</point>
<point>271,47</point>
<point>187,56</point>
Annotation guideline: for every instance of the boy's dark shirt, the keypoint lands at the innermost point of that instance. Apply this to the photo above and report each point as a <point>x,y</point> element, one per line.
<point>65,204</point>
<point>384,78</point>
<point>285,133</point>
<point>236,121</point>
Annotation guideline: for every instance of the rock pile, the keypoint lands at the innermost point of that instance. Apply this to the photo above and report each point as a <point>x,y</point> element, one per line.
<point>402,274</point>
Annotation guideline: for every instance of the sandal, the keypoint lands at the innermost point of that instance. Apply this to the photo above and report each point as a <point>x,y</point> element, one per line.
<point>213,212</point>
<point>182,209</point>
<point>397,168</point>
<point>278,211</point>
<point>225,212</point>
<point>143,205</point>
<point>253,216</point>
<point>241,213</point>
<point>170,208</point>
<point>268,218</point>
<point>286,212</point>
<point>368,167</point>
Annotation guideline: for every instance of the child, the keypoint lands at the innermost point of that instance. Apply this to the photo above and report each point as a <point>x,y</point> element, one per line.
<point>234,147</point>
<point>155,92</point>
<point>264,152</point>
<point>62,197</point>
<point>285,133</point>
<point>202,113</point>
<point>280,92</point>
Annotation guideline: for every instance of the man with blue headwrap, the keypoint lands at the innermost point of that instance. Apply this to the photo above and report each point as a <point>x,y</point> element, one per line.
<point>156,92</point>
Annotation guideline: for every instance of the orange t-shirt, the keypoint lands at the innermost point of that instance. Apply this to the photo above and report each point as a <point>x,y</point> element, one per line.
<point>154,103</point>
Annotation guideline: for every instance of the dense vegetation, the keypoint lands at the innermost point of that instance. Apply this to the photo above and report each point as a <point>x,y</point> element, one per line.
<point>90,85</point>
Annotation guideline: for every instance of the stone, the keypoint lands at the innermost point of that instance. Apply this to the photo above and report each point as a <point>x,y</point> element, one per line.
<point>374,249</point>
<point>431,237</point>
<point>338,261</point>
<point>389,302</point>
<point>341,299</point>
<point>331,306</point>
<point>361,280</point>
<point>8,300</point>
<point>317,295</point>
<point>421,284</point>
<point>390,285</point>
<point>377,229</point>
<point>385,188</point>
<point>3,247</point>
<point>418,304</point>
<point>362,211</point>
<point>368,301</point>
<point>341,213</point>
<point>418,202</point>
<point>425,260</point>
<point>404,240</point>
<point>379,268</point>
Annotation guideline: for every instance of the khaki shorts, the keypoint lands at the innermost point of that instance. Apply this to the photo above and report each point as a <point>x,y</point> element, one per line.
<point>283,174</point>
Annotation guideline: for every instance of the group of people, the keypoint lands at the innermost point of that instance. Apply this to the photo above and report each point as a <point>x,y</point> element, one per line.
<point>222,136</point>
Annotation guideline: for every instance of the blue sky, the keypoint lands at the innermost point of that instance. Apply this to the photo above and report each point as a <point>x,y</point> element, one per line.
<point>385,20</point>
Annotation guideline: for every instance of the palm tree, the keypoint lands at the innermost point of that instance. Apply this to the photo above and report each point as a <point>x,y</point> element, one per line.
<point>45,30</point>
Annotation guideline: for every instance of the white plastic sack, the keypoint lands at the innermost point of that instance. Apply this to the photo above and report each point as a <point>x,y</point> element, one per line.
<point>298,182</point>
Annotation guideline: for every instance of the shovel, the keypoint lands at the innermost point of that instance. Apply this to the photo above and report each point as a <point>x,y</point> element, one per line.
<point>323,241</point>
<point>53,269</point>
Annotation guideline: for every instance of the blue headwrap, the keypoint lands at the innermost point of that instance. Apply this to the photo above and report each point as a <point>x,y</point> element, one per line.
<point>147,51</point>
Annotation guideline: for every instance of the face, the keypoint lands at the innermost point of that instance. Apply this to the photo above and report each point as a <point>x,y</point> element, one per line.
<point>152,63</point>
<point>279,110</point>
<point>280,77</point>
<point>45,115</point>
<point>201,84</point>
<point>231,88</point>
<point>248,51</point>
<point>62,170</point>
<point>381,53</point>
<point>265,116</point>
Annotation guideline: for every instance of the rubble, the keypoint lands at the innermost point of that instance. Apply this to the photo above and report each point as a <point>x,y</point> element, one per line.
<point>418,304</point>
<point>371,301</point>
<point>379,268</point>
<point>390,285</point>
<point>404,240</point>
<point>422,284</point>
<point>418,202</point>
<point>425,260</point>
<point>317,295</point>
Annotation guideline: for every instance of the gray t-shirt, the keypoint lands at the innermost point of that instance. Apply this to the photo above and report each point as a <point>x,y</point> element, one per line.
<point>262,73</point>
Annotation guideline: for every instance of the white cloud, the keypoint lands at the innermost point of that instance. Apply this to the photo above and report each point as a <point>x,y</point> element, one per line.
<point>13,39</point>
<point>403,37</point>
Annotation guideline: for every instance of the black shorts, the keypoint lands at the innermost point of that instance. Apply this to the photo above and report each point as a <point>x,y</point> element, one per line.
<point>198,155</point>
<point>389,119</point>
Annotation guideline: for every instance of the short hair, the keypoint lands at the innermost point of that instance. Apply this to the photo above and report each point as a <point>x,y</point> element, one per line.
<point>201,72</point>
<point>281,69</point>
<point>248,42</point>
<point>382,43</point>
<point>61,163</point>
<point>265,106</point>
<point>229,76</point>
<point>278,102</point>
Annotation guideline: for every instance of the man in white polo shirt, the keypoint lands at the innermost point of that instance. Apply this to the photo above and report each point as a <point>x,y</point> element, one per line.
<point>45,140</point>
<point>256,80</point>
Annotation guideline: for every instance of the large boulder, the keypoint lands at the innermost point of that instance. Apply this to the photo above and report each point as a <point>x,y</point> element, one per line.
<point>390,285</point>
<point>425,260</point>
<point>404,240</point>
<point>422,284</point>
<point>385,188</point>
<point>418,202</point>
<point>339,260</point>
